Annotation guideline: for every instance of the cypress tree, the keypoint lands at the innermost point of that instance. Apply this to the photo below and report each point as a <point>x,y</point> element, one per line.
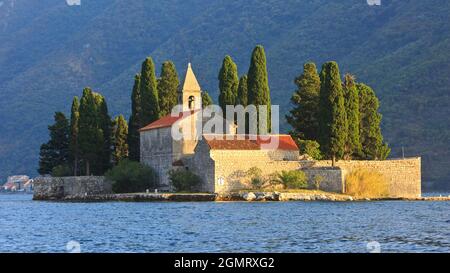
<point>56,151</point>
<point>258,83</point>
<point>135,121</point>
<point>206,99</point>
<point>370,119</point>
<point>228,83</point>
<point>332,119</point>
<point>242,97</point>
<point>168,88</point>
<point>304,116</point>
<point>47,160</point>
<point>120,139</point>
<point>353,145</point>
<point>74,130</point>
<point>105,125</point>
<point>90,137</point>
<point>149,93</point>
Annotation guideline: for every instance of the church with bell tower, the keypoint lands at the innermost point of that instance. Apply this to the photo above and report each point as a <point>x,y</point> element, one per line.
<point>159,149</point>
<point>195,150</point>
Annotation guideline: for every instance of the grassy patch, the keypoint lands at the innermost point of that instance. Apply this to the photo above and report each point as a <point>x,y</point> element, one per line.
<point>367,184</point>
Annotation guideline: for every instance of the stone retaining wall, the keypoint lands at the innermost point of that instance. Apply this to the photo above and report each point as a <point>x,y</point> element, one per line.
<point>403,175</point>
<point>230,169</point>
<point>332,179</point>
<point>54,188</point>
<point>225,171</point>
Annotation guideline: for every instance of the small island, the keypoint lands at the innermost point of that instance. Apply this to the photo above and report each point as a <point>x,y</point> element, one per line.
<point>334,152</point>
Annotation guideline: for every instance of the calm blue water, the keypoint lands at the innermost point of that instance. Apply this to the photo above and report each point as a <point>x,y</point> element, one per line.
<point>30,226</point>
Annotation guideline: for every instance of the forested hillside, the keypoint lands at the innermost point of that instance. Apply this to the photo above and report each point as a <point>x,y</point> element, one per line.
<point>49,51</point>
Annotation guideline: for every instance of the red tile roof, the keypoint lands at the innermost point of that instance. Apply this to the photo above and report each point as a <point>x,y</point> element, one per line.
<point>166,121</point>
<point>285,142</point>
<point>219,142</point>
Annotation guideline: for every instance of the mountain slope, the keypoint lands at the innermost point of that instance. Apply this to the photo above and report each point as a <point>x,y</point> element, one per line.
<point>50,51</point>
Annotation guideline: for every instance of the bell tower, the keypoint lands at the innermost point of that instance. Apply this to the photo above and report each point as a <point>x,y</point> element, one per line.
<point>191,93</point>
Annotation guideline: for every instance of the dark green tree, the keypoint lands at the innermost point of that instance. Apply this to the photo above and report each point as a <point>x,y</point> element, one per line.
<point>135,121</point>
<point>120,139</point>
<point>149,93</point>
<point>56,151</point>
<point>333,127</point>
<point>62,171</point>
<point>168,88</point>
<point>258,83</point>
<point>74,130</point>
<point>206,99</point>
<point>47,159</point>
<point>242,97</point>
<point>90,137</point>
<point>308,147</point>
<point>304,116</point>
<point>228,83</point>
<point>353,145</point>
<point>105,125</point>
<point>370,119</point>
<point>129,176</point>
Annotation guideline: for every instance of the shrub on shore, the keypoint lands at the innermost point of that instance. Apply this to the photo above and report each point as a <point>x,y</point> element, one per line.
<point>318,179</point>
<point>184,180</point>
<point>129,176</point>
<point>256,178</point>
<point>366,183</point>
<point>295,179</point>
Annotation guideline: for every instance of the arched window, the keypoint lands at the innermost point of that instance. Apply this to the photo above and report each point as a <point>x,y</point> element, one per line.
<point>191,102</point>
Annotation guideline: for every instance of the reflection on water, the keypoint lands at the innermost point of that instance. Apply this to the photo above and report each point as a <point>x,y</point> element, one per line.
<point>29,226</point>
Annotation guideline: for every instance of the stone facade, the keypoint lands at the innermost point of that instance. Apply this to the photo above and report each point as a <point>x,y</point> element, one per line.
<point>225,171</point>
<point>204,166</point>
<point>54,188</point>
<point>403,175</point>
<point>333,178</point>
<point>159,151</point>
<point>230,167</point>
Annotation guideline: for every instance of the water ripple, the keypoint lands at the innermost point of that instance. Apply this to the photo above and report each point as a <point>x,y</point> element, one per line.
<point>29,226</point>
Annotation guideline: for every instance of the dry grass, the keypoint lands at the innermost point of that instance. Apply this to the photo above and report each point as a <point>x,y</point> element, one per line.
<point>367,184</point>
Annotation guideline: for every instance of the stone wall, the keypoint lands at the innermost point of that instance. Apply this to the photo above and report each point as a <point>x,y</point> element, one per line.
<point>231,166</point>
<point>225,171</point>
<point>403,175</point>
<point>202,165</point>
<point>157,151</point>
<point>54,188</point>
<point>332,178</point>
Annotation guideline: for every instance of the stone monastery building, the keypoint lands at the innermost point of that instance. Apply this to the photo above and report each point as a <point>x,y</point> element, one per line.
<point>223,159</point>
<point>220,160</point>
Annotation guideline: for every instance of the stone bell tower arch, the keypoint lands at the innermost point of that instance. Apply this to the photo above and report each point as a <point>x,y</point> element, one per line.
<point>191,93</point>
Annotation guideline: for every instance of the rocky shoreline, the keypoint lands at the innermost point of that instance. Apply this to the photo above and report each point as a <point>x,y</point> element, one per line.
<point>226,197</point>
